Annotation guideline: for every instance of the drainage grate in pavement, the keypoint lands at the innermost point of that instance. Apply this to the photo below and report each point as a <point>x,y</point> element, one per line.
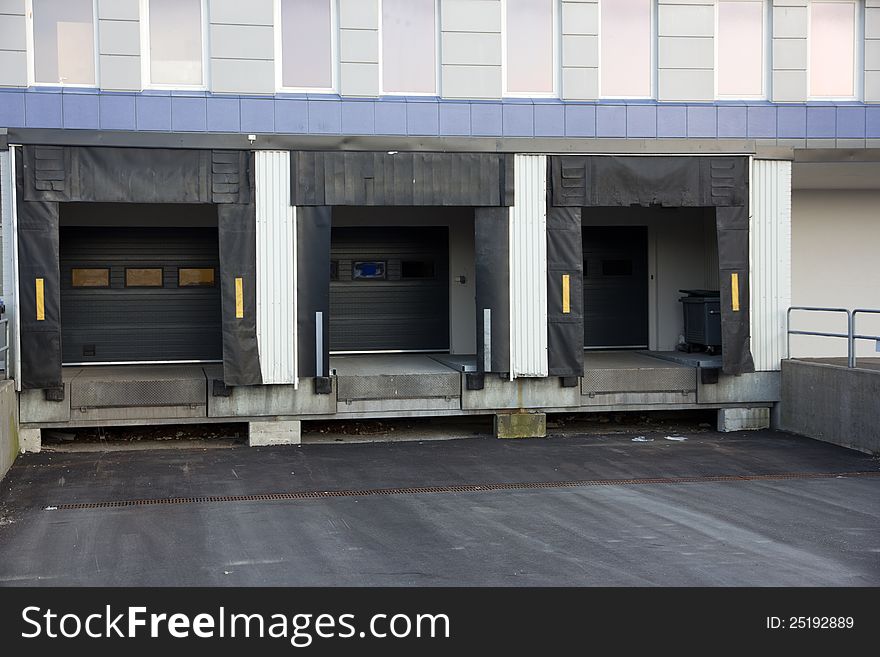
<point>466,488</point>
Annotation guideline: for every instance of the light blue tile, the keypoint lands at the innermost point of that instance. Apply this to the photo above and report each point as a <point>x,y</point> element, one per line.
<point>12,109</point>
<point>80,111</point>
<point>550,120</point>
<point>791,122</point>
<point>153,113</point>
<point>189,114</point>
<point>821,122</point>
<point>580,120</point>
<point>641,121</point>
<point>671,121</point>
<point>43,110</point>
<point>292,116</point>
<point>518,120</point>
<point>325,117</point>
<point>358,117</point>
<point>850,122</point>
<point>872,122</point>
<point>455,119</point>
<point>732,122</point>
<point>701,121</point>
<point>117,112</point>
<point>422,119</point>
<point>486,120</point>
<point>761,122</point>
<point>257,115</point>
<point>224,114</point>
<point>611,121</point>
<point>390,117</point>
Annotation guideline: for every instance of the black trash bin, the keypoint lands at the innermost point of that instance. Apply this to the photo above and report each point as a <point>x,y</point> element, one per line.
<point>702,320</point>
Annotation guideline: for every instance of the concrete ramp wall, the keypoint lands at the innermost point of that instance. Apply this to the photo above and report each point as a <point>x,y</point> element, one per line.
<point>832,403</point>
<point>8,426</point>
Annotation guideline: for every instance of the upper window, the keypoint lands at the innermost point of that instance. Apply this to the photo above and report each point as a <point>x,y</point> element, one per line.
<point>409,46</point>
<point>175,42</point>
<point>417,269</point>
<point>195,277</point>
<point>741,45</point>
<point>368,270</point>
<point>626,44</point>
<point>530,26</point>
<point>143,277</point>
<point>306,44</point>
<point>832,49</point>
<point>64,42</point>
<point>90,277</point>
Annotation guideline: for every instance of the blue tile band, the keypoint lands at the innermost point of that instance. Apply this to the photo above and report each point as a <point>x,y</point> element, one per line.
<point>171,111</point>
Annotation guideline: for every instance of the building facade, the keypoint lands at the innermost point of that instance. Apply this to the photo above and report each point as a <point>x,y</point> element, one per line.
<point>283,210</point>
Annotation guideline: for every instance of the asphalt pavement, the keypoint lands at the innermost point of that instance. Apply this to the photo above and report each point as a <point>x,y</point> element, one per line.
<point>752,508</point>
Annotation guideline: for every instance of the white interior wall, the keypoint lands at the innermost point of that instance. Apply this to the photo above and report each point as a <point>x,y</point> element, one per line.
<point>682,254</point>
<point>460,221</point>
<point>835,236</point>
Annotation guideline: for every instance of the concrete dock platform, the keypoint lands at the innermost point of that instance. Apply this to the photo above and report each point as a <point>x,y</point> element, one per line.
<point>383,382</point>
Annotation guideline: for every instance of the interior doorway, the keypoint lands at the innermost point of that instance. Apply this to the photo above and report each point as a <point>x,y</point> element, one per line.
<point>615,287</point>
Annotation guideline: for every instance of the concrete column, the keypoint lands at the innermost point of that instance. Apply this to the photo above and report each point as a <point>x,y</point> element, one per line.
<point>274,432</point>
<point>9,432</point>
<point>520,425</point>
<point>29,440</point>
<point>743,419</point>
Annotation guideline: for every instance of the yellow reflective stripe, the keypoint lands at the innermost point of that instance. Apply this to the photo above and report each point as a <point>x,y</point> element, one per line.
<point>566,293</point>
<point>734,291</point>
<point>41,300</point>
<point>239,298</point>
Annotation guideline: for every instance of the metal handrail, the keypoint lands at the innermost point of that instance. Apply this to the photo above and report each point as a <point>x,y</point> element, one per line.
<point>822,334</point>
<point>855,336</point>
<point>850,335</point>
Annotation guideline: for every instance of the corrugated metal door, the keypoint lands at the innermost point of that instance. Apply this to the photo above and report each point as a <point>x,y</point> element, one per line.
<point>10,262</point>
<point>161,300</point>
<point>770,259</point>
<point>389,289</point>
<point>276,268</point>
<point>528,267</point>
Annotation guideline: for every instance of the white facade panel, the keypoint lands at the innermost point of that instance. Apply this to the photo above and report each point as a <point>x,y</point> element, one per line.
<point>276,269</point>
<point>770,261</point>
<point>528,268</point>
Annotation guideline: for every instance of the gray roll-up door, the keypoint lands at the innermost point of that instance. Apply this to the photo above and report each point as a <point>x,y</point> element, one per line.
<point>389,289</point>
<point>140,294</point>
<point>615,286</point>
